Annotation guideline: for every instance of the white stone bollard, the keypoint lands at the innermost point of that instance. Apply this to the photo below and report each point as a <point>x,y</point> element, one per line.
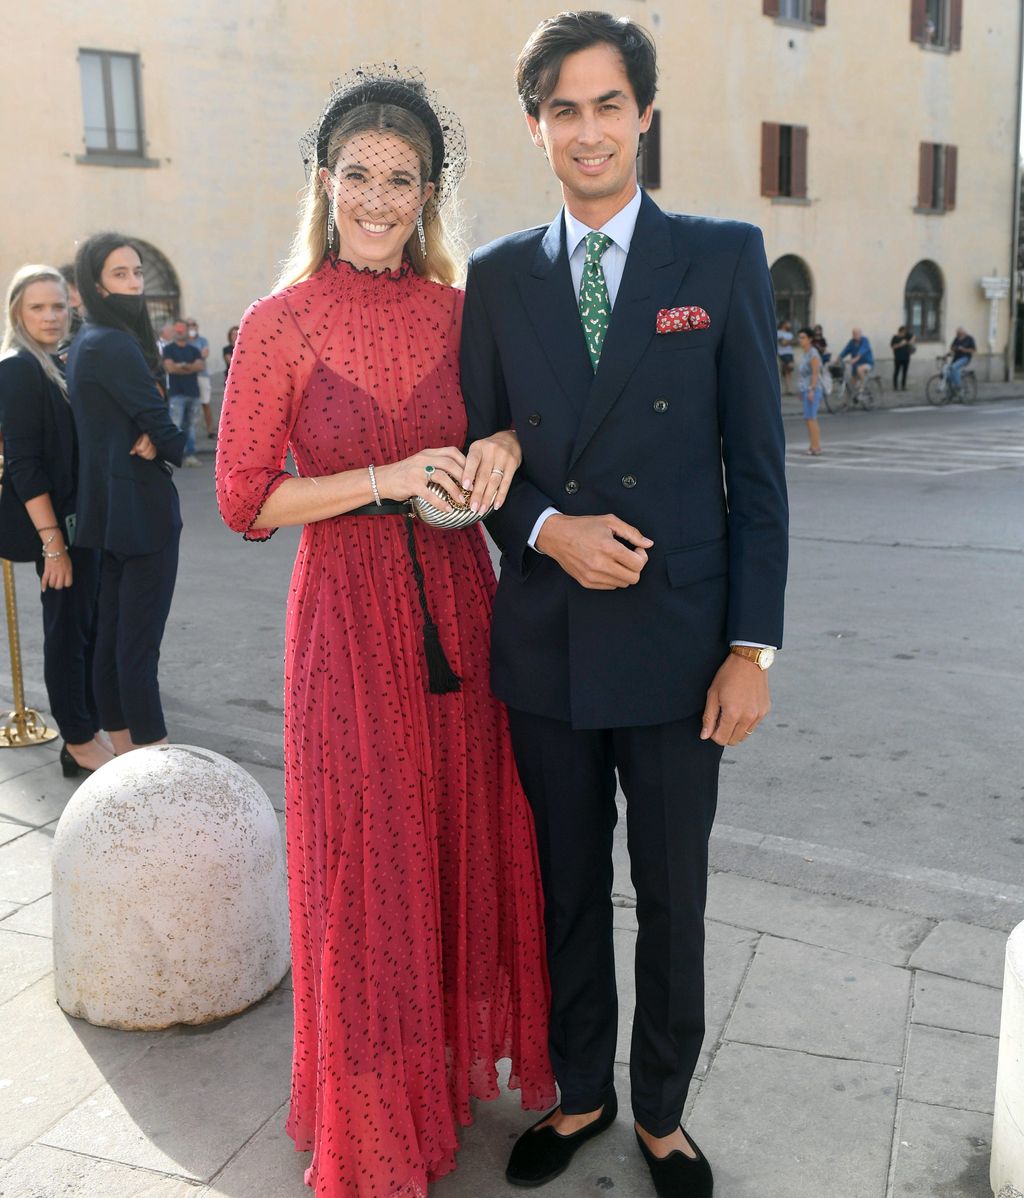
<point>169,892</point>
<point>1007,1170</point>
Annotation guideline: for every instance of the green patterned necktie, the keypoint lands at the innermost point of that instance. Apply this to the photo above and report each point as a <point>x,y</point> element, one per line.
<point>595,307</point>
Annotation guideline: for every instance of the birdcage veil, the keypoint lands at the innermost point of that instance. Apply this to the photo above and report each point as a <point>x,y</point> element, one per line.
<point>403,87</point>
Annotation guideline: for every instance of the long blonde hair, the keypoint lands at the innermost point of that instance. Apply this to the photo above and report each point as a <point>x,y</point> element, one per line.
<point>309,248</point>
<point>15,335</point>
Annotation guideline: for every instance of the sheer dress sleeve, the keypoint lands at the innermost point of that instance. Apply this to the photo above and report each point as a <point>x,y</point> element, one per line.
<point>269,366</point>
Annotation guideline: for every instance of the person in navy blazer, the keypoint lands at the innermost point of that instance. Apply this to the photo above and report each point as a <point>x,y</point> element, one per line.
<point>644,556</point>
<point>127,502</point>
<point>38,502</point>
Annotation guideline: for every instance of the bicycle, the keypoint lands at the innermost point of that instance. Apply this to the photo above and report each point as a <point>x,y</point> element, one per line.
<point>941,389</point>
<point>848,393</point>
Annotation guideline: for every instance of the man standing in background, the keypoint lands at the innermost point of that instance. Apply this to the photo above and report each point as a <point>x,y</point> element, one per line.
<point>203,346</point>
<point>183,362</point>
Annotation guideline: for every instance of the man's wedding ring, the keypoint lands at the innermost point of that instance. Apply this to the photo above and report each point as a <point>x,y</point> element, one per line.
<point>749,732</point>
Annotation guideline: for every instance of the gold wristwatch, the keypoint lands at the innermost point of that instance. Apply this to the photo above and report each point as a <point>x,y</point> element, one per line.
<point>762,658</point>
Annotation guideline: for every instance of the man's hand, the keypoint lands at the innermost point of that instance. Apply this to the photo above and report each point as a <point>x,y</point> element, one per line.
<point>144,448</point>
<point>737,702</point>
<point>587,550</point>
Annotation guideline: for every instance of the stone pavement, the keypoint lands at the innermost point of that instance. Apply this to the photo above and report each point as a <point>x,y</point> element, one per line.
<point>851,1053</point>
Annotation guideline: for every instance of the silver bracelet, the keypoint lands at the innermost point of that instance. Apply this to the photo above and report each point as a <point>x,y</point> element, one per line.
<point>51,556</point>
<point>373,486</point>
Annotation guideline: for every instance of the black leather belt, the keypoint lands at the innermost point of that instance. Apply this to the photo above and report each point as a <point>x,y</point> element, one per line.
<point>442,679</point>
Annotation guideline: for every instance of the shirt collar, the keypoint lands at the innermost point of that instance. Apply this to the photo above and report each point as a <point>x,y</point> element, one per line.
<point>619,228</point>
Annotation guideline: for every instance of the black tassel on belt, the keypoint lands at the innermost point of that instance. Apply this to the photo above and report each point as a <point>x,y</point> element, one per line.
<point>443,679</point>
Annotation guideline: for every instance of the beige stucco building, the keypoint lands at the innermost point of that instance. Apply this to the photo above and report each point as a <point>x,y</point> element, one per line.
<point>856,119</point>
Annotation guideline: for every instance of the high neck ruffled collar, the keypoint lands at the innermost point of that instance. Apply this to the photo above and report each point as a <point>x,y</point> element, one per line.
<point>346,274</point>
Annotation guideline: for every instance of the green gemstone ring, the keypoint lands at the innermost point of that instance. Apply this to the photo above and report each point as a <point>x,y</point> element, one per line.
<point>429,470</point>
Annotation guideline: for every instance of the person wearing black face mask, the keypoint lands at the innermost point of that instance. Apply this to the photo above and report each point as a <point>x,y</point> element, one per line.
<point>127,503</point>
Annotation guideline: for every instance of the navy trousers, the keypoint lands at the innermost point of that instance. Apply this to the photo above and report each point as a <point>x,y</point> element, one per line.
<point>69,637</point>
<point>670,780</point>
<point>135,599</point>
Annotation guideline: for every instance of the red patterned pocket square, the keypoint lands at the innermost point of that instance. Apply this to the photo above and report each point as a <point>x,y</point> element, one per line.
<point>680,320</point>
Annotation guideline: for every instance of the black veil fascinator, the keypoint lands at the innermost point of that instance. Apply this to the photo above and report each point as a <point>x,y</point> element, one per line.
<point>387,83</point>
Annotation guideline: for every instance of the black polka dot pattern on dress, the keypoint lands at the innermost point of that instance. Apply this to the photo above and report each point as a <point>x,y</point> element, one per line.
<point>417,920</point>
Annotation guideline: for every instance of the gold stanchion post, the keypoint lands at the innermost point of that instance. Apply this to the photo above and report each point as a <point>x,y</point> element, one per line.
<point>22,726</point>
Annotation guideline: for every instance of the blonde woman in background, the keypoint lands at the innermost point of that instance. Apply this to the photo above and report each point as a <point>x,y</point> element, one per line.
<point>38,504</point>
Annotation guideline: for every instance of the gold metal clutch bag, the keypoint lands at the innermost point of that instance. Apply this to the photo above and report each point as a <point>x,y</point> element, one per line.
<point>446,513</point>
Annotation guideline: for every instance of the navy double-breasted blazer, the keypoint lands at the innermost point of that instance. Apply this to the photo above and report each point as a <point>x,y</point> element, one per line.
<point>678,434</point>
<point>126,504</point>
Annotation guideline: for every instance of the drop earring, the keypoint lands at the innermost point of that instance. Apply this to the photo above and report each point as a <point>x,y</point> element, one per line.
<point>420,233</point>
<point>330,227</point>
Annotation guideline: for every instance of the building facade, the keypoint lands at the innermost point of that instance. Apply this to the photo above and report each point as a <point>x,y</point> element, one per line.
<point>874,141</point>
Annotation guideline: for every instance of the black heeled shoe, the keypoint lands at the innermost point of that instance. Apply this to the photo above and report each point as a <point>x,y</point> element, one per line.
<point>540,1156</point>
<point>69,765</point>
<point>678,1175</point>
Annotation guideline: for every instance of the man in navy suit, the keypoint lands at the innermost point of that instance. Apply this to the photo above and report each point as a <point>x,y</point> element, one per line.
<point>644,546</point>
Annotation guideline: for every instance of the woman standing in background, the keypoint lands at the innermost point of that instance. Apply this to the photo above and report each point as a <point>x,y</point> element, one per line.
<point>38,505</point>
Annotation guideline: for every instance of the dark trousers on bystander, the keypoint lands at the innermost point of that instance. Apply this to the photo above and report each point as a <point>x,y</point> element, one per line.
<point>900,366</point>
<point>135,600</point>
<point>69,636</point>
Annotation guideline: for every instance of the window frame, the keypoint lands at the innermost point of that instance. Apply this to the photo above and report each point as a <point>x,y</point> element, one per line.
<point>110,154</point>
<point>949,32</point>
<point>648,167</point>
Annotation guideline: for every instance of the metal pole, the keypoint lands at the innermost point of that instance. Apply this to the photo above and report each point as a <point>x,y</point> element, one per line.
<point>22,726</point>
<point>1011,347</point>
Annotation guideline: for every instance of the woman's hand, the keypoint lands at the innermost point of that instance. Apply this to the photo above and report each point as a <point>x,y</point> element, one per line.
<point>402,480</point>
<point>144,448</point>
<point>56,570</point>
<point>491,464</point>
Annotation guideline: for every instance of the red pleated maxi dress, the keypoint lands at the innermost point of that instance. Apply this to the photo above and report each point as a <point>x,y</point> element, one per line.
<point>416,911</point>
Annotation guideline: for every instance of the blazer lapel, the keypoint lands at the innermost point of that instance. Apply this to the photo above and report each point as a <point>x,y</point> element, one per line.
<point>654,271</point>
<point>547,292</point>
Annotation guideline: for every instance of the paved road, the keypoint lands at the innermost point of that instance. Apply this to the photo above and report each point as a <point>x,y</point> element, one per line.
<point>890,769</point>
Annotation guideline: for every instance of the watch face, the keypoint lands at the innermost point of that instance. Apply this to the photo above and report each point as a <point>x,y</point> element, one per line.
<point>767,657</point>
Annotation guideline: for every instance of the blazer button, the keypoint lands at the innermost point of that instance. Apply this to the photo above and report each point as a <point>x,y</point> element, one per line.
<point>571,487</point>
<point>661,405</point>
<point>628,481</point>
<point>534,418</point>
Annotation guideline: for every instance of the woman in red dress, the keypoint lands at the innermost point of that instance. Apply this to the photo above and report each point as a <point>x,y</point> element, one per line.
<point>417,922</point>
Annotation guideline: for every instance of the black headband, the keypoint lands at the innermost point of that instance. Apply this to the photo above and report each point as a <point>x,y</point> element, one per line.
<point>383,91</point>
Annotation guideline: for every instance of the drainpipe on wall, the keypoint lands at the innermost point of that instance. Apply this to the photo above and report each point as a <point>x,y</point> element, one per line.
<point>1011,345</point>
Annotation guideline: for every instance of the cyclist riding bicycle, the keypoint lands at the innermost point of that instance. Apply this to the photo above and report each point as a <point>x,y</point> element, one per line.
<point>962,349</point>
<point>857,351</point>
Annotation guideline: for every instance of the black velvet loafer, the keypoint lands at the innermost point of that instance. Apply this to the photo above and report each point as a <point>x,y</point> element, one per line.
<point>678,1175</point>
<point>540,1156</point>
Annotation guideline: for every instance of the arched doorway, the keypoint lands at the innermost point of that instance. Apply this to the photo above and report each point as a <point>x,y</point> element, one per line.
<point>163,292</point>
<point>793,291</point>
<point>922,301</point>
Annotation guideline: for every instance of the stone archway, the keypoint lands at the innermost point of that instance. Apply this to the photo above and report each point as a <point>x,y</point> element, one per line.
<point>163,291</point>
<point>794,291</point>
<point>922,301</point>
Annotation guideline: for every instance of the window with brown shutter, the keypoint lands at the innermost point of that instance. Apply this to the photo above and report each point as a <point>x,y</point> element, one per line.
<point>783,160</point>
<point>769,159</point>
<point>649,163</point>
<point>936,177</point>
<point>937,23</point>
<point>956,22</point>
<point>949,173</point>
<point>798,168</point>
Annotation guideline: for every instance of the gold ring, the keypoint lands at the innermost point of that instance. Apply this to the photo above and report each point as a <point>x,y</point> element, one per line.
<point>497,471</point>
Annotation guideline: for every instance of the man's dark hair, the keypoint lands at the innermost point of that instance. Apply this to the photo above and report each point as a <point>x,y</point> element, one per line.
<point>540,60</point>
<point>808,332</point>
